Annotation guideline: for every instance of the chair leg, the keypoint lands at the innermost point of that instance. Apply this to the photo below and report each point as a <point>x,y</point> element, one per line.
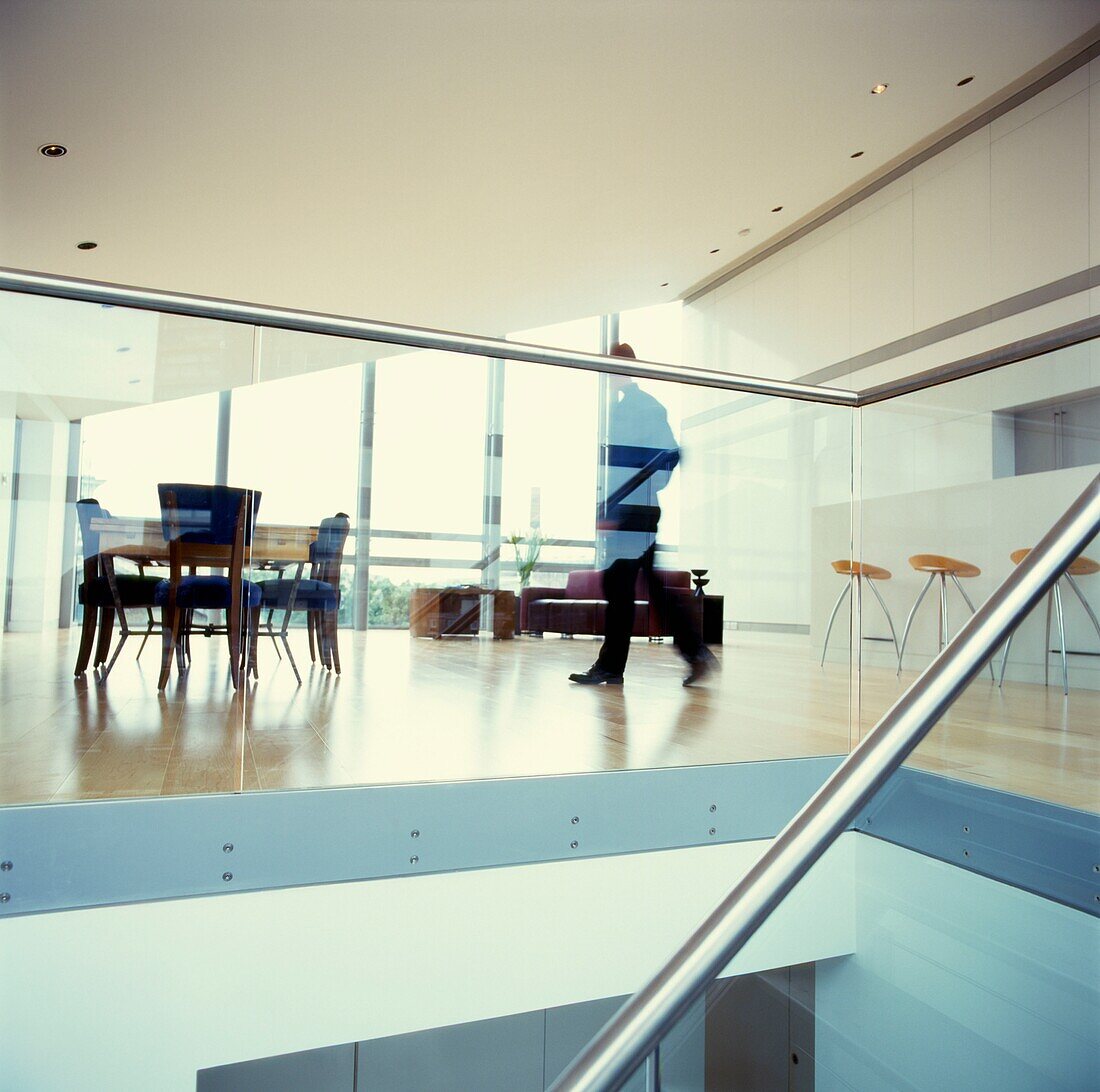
<point>118,649</point>
<point>846,590</point>
<point>311,625</point>
<point>106,632</point>
<point>1004,658</point>
<point>1084,602</point>
<point>335,641</point>
<point>945,621</point>
<point>889,620</point>
<point>233,633</point>
<point>966,600</point>
<point>253,642</point>
<point>169,631</point>
<point>87,639</point>
<point>909,620</point>
<point>290,657</point>
<point>1046,640</point>
<point>1061,637</point>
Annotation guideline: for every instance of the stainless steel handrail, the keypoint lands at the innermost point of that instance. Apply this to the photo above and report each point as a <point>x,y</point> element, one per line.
<point>392,333</point>
<point>1049,341</point>
<point>636,1029</point>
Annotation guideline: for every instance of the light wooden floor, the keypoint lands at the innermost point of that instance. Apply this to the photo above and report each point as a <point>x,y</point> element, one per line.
<point>413,710</point>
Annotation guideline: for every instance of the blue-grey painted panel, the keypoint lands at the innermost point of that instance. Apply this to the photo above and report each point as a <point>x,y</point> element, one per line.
<point>500,1055</point>
<point>116,851</point>
<point>329,1069</point>
<point>1043,848</point>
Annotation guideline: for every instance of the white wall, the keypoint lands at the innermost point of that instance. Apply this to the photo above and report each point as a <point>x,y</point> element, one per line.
<point>140,997</point>
<point>958,982</point>
<point>1007,209</point>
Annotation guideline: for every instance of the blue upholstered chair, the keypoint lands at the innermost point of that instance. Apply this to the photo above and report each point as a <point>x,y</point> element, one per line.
<point>107,593</point>
<point>319,594</point>
<point>207,526</point>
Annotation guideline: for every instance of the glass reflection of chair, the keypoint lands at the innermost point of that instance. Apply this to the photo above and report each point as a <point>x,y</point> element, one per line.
<point>937,565</point>
<point>207,526</point>
<point>857,572</point>
<point>1082,566</point>
<point>319,595</point>
<point>108,594</point>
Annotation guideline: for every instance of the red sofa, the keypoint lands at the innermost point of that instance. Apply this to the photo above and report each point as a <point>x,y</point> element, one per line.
<point>579,607</point>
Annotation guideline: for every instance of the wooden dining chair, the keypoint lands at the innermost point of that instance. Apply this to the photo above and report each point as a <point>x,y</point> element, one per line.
<point>318,595</point>
<point>208,526</point>
<point>107,593</point>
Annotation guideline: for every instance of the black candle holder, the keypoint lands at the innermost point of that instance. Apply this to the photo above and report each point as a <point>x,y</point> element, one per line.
<point>698,576</point>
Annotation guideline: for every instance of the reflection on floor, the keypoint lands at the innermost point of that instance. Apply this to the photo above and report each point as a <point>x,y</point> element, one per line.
<point>415,710</point>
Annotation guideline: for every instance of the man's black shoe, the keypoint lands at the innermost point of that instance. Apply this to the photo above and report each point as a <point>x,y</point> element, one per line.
<point>699,668</point>
<point>594,676</point>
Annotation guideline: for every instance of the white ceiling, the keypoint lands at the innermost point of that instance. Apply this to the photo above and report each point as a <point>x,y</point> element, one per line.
<point>486,165</point>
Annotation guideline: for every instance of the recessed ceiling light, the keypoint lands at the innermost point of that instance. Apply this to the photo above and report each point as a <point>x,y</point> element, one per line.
<point>855,155</point>
<point>123,349</point>
<point>879,88</point>
<point>744,231</point>
<point>715,250</point>
<point>86,246</point>
<point>664,284</point>
<point>964,81</point>
<point>778,208</point>
<point>53,151</point>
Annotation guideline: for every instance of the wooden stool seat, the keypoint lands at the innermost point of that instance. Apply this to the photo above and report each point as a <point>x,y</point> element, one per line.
<point>1081,566</point>
<point>860,568</point>
<point>948,566</point>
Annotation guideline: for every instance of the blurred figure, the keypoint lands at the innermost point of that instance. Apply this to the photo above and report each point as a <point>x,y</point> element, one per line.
<point>641,455</point>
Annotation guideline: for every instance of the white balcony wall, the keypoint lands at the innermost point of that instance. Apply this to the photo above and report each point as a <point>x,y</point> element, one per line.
<point>1009,209</point>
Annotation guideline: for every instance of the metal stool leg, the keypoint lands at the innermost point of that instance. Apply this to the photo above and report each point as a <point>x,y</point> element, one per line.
<point>889,620</point>
<point>909,620</point>
<point>1084,602</point>
<point>832,618</point>
<point>945,621</point>
<point>1046,641</point>
<point>1061,637</point>
<point>1004,657</point>
<point>966,600</point>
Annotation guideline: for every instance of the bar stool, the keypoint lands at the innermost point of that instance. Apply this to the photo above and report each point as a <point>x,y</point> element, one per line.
<point>943,567</point>
<point>857,571</point>
<point>1081,566</point>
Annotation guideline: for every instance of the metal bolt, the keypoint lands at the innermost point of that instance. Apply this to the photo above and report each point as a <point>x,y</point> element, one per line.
<point>1096,868</point>
<point>414,860</point>
<point>573,845</point>
<point>5,866</point>
<point>227,848</point>
<point>5,897</point>
<point>227,876</point>
<point>575,820</point>
<point>714,807</point>
<point>966,830</point>
<point>713,830</point>
<point>414,834</point>
<point>966,852</point>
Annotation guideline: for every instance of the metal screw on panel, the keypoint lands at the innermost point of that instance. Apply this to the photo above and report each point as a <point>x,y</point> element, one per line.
<point>227,848</point>
<point>227,876</point>
<point>5,866</point>
<point>414,834</point>
<point>1096,868</point>
<point>573,845</point>
<point>966,830</point>
<point>713,830</point>
<point>966,852</point>
<point>414,860</point>
<point>714,807</point>
<point>5,897</point>
<point>575,820</point>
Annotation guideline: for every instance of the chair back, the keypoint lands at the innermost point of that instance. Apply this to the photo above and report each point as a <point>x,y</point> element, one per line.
<point>327,551</point>
<point>88,509</point>
<point>206,514</point>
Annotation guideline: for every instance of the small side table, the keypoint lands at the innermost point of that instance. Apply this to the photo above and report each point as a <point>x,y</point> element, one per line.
<point>713,617</point>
